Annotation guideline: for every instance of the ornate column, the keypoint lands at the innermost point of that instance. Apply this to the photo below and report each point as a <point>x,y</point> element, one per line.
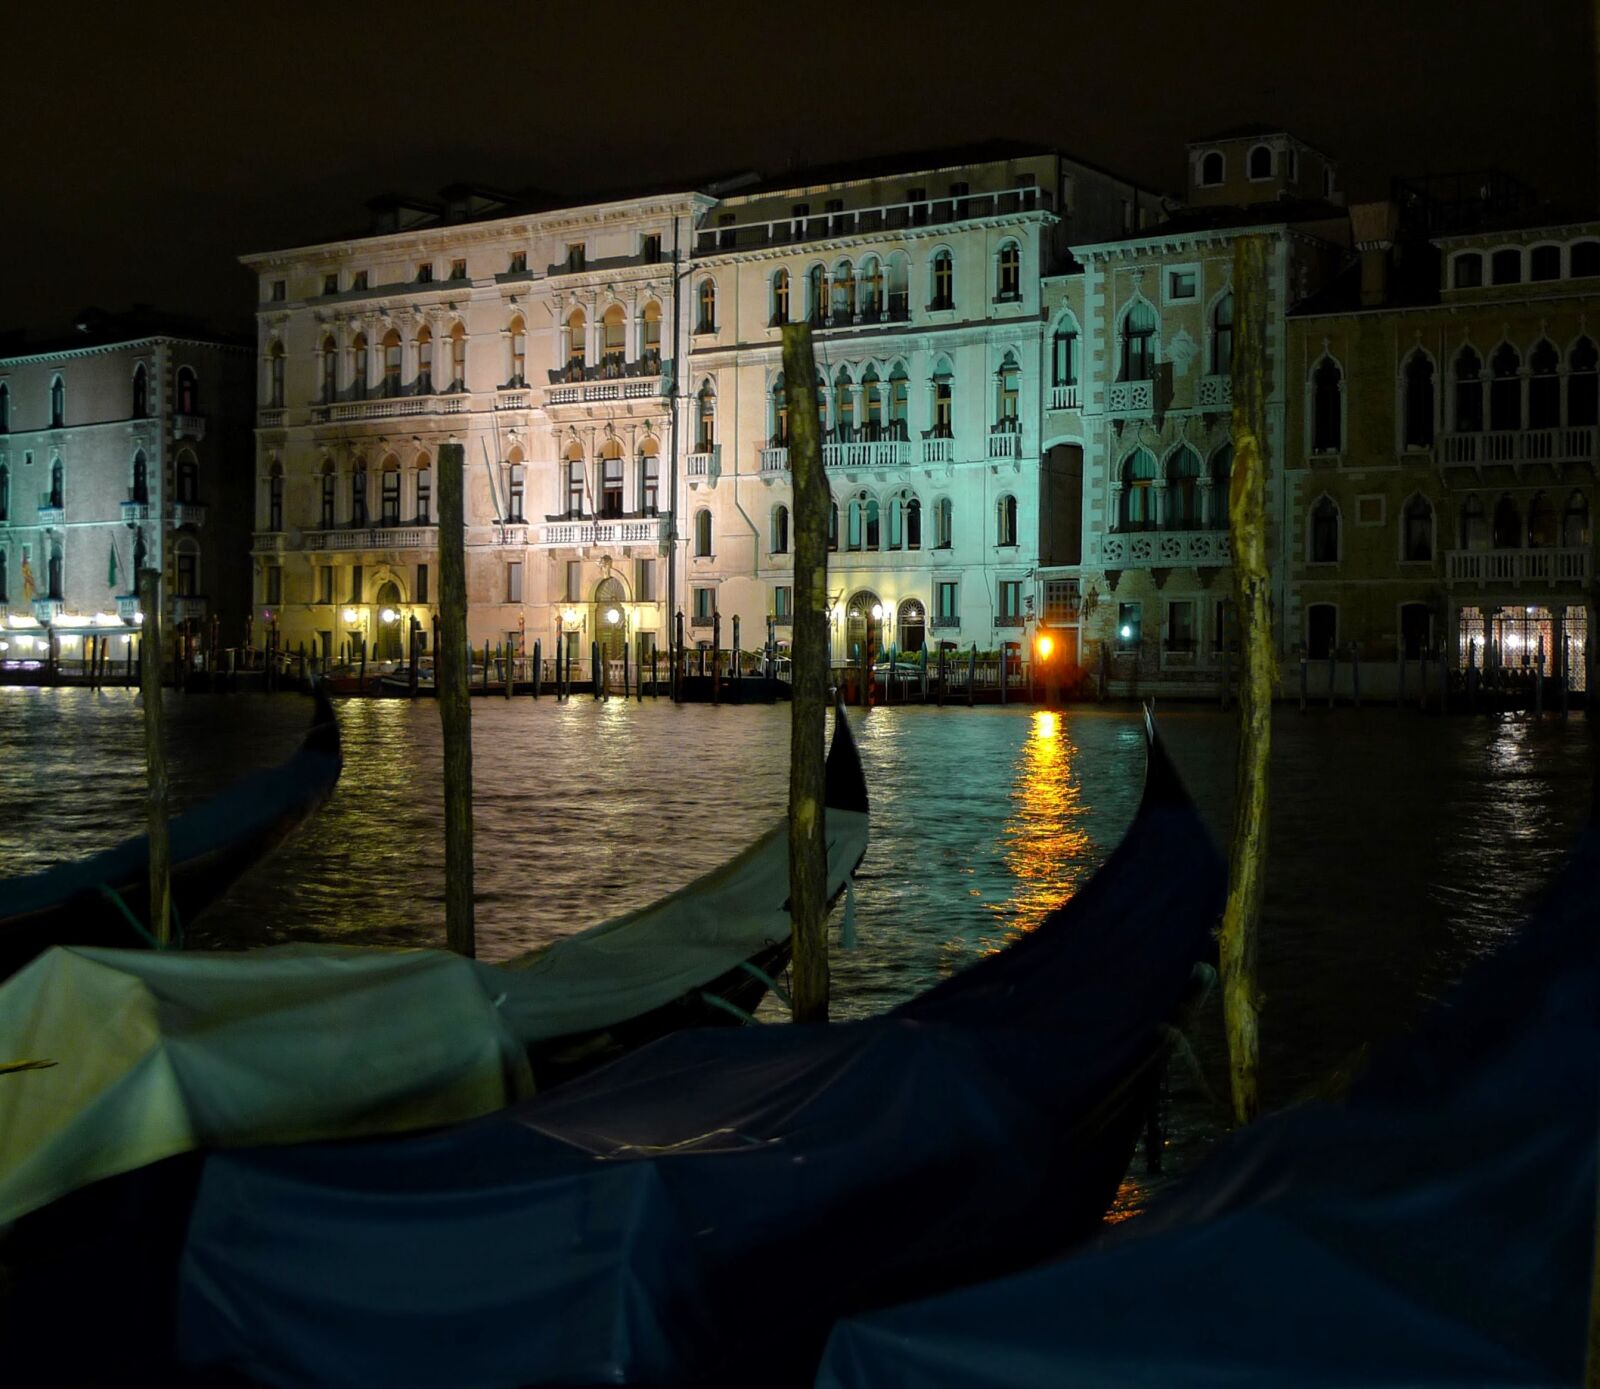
<point>1206,520</point>
<point>1158,498</point>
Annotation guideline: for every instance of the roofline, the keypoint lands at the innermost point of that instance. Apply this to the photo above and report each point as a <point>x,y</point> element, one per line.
<point>1501,233</point>
<point>1452,307</point>
<point>89,349</point>
<point>689,202</point>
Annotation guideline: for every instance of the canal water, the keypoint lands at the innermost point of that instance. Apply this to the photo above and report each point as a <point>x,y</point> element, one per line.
<point>1402,845</point>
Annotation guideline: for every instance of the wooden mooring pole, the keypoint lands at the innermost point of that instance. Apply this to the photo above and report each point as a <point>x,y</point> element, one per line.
<point>808,852</point>
<point>450,660</point>
<point>155,757</point>
<point>1247,525</point>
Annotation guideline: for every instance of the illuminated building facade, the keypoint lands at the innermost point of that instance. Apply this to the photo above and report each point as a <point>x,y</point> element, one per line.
<point>136,427</point>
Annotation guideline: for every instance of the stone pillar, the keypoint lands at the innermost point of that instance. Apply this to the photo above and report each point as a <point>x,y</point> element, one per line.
<point>1203,493</point>
<point>1114,520</point>
<point>1158,497</point>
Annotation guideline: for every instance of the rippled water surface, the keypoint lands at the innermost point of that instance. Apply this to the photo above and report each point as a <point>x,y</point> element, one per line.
<point>1401,845</point>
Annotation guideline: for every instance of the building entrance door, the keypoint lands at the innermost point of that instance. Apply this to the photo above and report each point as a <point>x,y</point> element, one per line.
<point>390,640</point>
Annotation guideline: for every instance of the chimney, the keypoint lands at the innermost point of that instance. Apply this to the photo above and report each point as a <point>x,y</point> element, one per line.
<point>1373,227</point>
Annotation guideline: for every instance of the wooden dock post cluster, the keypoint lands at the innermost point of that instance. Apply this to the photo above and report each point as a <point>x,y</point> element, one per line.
<point>1247,525</point>
<point>808,852</point>
<point>455,712</point>
<point>155,757</point>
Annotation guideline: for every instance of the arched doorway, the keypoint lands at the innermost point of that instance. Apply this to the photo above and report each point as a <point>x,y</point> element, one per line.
<point>912,627</point>
<point>610,617</point>
<point>391,639</point>
<point>859,621</point>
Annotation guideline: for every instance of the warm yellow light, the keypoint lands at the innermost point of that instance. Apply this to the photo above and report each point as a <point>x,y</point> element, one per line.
<point>613,616</point>
<point>1046,646</point>
<point>571,616</point>
<point>388,615</point>
<point>350,614</point>
<point>877,612</point>
<point>1046,725</point>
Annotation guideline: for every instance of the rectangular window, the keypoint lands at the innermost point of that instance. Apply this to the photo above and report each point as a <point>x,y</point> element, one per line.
<point>1011,601</point>
<point>514,495</point>
<point>574,580</point>
<point>1180,626</point>
<point>425,273</point>
<point>1182,284</point>
<point>783,602</point>
<point>650,498</point>
<point>325,584</point>
<point>1061,600</point>
<point>575,488</point>
<point>1127,215</point>
<point>650,248</point>
<point>514,582</point>
<point>422,583</point>
<point>705,604</point>
<point>424,496</point>
<point>577,256</point>
<point>949,610</point>
<point>390,497</point>
<point>330,284</point>
<point>355,583</point>
<point>274,583</point>
<point>1370,510</point>
<point>1128,624</point>
<point>519,263</point>
<point>458,270</point>
<point>280,291</point>
<point>644,581</point>
<point>359,280</point>
<point>1223,637</point>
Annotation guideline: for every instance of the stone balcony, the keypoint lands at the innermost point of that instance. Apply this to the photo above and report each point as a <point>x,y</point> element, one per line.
<point>189,426</point>
<point>1065,397</point>
<point>128,607</point>
<point>1005,443</point>
<point>704,465</point>
<point>939,450</point>
<point>1131,400</point>
<point>774,460</point>
<point>52,509</point>
<point>1214,393</point>
<point>47,610</point>
<point>188,514</point>
<point>270,418</point>
<point>1158,549</point>
<point>386,407</point>
<point>134,512</point>
<point>1564,444</point>
<point>268,543</point>
<point>1516,567</point>
<point>867,453</point>
<point>583,533</point>
<point>374,538</point>
<point>189,607</point>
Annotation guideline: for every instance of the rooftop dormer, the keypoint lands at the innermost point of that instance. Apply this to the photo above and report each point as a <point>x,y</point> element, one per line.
<point>1257,164</point>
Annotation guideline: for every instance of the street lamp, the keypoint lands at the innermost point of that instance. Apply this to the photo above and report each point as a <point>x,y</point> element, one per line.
<point>350,616</point>
<point>388,615</point>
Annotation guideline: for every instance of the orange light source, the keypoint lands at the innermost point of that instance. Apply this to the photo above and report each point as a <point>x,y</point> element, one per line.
<point>1045,647</point>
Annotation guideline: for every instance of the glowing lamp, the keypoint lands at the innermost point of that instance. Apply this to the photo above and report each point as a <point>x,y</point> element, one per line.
<point>613,616</point>
<point>138,619</point>
<point>877,612</point>
<point>571,616</point>
<point>350,614</point>
<point>388,615</point>
<point>1046,646</point>
<point>1127,631</point>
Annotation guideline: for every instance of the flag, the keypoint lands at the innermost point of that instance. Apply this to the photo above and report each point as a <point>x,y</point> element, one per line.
<point>111,569</point>
<point>29,587</point>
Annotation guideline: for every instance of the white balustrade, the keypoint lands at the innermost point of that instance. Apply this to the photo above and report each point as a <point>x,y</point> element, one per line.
<point>938,450</point>
<point>1518,566</point>
<point>1161,549</point>
<point>774,460</point>
<point>1131,399</point>
<point>867,453</point>
<point>1064,397</point>
<point>1214,393</point>
<point>1562,444</point>
<point>1007,443</point>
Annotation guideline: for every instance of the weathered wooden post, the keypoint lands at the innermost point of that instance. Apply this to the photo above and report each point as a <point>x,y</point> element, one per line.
<point>538,666</point>
<point>506,664</point>
<point>1538,679</point>
<point>972,675</point>
<point>411,674</point>
<point>363,664</point>
<point>655,682</point>
<point>716,656</point>
<point>1247,525</point>
<point>941,675</point>
<point>808,854</point>
<point>735,654</point>
<point>1005,661</point>
<point>624,669</point>
<point>450,661</point>
<point>1333,667</point>
<point>1105,669</point>
<point>1355,671</point>
<point>483,679</point>
<point>155,757</point>
<point>677,653</point>
<point>596,678</point>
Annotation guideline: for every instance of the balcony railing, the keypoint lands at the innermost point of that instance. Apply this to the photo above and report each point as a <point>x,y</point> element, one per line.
<point>867,453</point>
<point>1214,393</point>
<point>134,512</point>
<point>1131,399</point>
<point>189,426</point>
<point>127,606</point>
<point>388,408</point>
<point>270,418</point>
<point>945,622</point>
<point>1005,443</point>
<point>52,509</point>
<point>1517,566</point>
<point>1009,620</point>
<point>509,533</point>
<point>643,530</point>
<point>188,514</point>
<point>940,450</point>
<point>638,388</point>
<point>375,538</point>
<point>507,399</point>
<point>48,609</point>
<point>774,459</point>
<point>1565,444</point>
<point>705,463</point>
<point>1064,397</point>
<point>1161,549</point>
<point>189,607</point>
<point>268,542</point>
<point>610,367</point>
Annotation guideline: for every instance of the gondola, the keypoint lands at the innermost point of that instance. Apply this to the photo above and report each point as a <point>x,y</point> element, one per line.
<point>105,899</point>
<point>702,1210</point>
<point>1435,1229</point>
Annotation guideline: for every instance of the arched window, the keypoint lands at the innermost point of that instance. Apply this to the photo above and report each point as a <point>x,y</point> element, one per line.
<point>702,534</point>
<point>1418,413</point>
<point>1544,386</point>
<point>389,491</point>
<point>912,626</point>
<point>611,506</point>
<point>329,484</point>
<point>905,521</point>
<point>424,467</point>
<point>358,367</point>
<point>1505,266</point>
<point>1584,259</point>
<point>1507,534</point>
<point>1544,263</point>
<point>391,364</point>
<point>1138,491</point>
<point>275,375</point>
<point>1005,521</point>
<point>833,525</point>
<point>1064,355</point>
<point>899,403</point>
<point>899,306</point>
<point>1325,531</point>
<point>1212,169</point>
<point>1008,389</point>
<point>1583,378</point>
<point>816,294</point>
<point>1322,630</point>
<point>1543,528</point>
<point>943,401</point>
<point>187,577</point>
<point>58,399</point>
<point>275,498</point>
<point>613,340</point>
<point>576,483</point>
<point>649,478</point>
<point>1221,486</point>
<point>780,530</point>
<point>1417,522</point>
<point>141,392</point>
<point>1260,165</point>
<point>330,371</point>
<point>844,407</point>
<point>1467,373</point>
<point>1505,388</point>
<point>1008,272</point>
<point>1183,490</point>
<point>517,335</point>
<point>140,490</point>
<point>5,492</point>
<point>1138,342</point>
<point>842,305</point>
<point>517,485</point>
<point>1327,412</point>
<point>1575,522</point>
<point>188,392</point>
<point>780,299</point>
<point>779,433</point>
<point>54,577</point>
<point>1474,526</point>
<point>944,524</point>
<point>872,422</point>
<point>57,483</point>
<point>1222,336</point>
<point>424,360</point>
<point>705,426</point>
<point>577,343</point>
<point>358,495</point>
<point>5,408</point>
<point>707,300</point>
<point>944,281</point>
<point>869,290</point>
<point>187,478</point>
<point>863,530</point>
<point>1466,270</point>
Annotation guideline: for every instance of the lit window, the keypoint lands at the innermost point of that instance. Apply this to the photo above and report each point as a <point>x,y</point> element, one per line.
<point>458,270</point>
<point>425,273</point>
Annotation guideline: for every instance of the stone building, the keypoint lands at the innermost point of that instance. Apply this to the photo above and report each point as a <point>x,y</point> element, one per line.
<point>133,428</point>
<point>1442,438</point>
<point>1137,403</point>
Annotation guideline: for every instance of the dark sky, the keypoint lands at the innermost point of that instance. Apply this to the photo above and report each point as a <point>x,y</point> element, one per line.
<point>149,144</point>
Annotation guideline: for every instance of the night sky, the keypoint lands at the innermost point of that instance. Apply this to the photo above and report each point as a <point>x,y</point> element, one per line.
<point>150,144</point>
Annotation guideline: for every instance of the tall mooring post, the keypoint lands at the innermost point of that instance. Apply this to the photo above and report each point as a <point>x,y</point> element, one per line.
<point>155,757</point>
<point>450,659</point>
<point>1247,525</point>
<point>808,852</point>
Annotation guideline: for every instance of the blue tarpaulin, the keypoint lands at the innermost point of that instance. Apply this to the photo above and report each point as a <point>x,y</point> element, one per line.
<point>703,1209</point>
<point>1435,1229</point>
